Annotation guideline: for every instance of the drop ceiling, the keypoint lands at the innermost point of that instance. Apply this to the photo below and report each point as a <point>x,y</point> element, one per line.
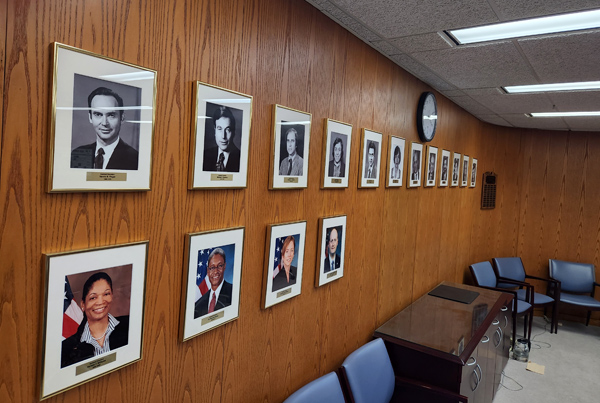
<point>410,33</point>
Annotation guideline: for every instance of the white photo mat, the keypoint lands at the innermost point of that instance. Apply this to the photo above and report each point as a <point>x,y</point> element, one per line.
<point>445,168</point>
<point>431,166</point>
<point>333,130</point>
<point>395,174</point>
<point>456,158</point>
<point>370,138</point>
<point>325,225</point>
<point>197,243</point>
<point>465,171</point>
<point>415,164</point>
<point>69,62</point>
<point>56,379</point>
<point>473,172</point>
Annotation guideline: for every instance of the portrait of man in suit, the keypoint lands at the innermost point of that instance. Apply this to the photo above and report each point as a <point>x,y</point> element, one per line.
<point>224,156</point>
<point>337,166</point>
<point>291,164</point>
<point>332,259</point>
<point>455,170</point>
<point>106,115</point>
<point>431,169</point>
<point>416,165</point>
<point>473,173</point>
<point>444,168</point>
<point>371,168</point>
<point>219,294</point>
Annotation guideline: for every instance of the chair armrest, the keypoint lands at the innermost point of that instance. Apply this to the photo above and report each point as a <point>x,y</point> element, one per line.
<point>435,390</point>
<point>529,287</point>
<point>548,280</point>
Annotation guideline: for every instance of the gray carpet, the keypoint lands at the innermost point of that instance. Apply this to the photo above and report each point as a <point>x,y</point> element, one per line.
<point>572,366</point>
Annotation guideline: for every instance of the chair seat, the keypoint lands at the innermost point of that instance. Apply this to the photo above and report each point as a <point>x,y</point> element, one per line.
<point>522,306</point>
<point>538,299</point>
<point>326,389</point>
<point>580,300</point>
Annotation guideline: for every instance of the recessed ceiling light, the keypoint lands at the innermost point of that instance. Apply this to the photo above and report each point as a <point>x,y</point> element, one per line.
<point>584,85</point>
<point>562,114</point>
<point>533,26</point>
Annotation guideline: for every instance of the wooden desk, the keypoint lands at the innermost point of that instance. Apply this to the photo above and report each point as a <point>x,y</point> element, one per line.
<point>462,348</point>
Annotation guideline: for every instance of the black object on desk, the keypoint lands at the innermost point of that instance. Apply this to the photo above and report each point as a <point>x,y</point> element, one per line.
<point>454,294</point>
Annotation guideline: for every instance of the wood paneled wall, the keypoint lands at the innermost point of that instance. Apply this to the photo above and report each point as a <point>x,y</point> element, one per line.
<point>401,242</point>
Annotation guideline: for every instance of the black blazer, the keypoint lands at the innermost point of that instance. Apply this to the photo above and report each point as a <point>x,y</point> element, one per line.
<point>123,157</point>
<point>74,351</point>
<point>224,300</point>
<point>342,169</point>
<point>328,263</point>
<point>210,159</point>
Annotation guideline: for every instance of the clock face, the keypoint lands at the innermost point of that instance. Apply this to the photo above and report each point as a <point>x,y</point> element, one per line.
<point>427,116</point>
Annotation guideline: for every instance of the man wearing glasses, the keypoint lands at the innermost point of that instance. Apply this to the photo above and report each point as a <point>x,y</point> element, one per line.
<point>219,295</point>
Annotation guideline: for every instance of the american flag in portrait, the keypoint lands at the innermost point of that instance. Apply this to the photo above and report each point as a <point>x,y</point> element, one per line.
<point>201,277</point>
<point>277,257</point>
<point>72,314</point>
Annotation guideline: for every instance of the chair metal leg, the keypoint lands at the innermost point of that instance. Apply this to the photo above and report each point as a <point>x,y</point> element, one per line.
<point>589,315</point>
<point>555,316</point>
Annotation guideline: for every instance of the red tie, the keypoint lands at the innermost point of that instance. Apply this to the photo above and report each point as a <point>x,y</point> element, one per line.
<point>213,302</point>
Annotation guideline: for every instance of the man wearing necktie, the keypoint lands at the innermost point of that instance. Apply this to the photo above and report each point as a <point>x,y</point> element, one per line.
<point>109,151</point>
<point>371,169</point>
<point>225,156</point>
<point>219,294</point>
<point>293,164</point>
<point>332,261</point>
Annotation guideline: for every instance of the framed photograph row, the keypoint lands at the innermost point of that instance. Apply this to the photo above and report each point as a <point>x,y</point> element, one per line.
<point>450,173</point>
<point>94,298</point>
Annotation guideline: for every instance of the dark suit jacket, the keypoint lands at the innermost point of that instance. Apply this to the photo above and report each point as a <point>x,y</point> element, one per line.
<point>280,280</point>
<point>123,157</point>
<point>224,300</point>
<point>328,263</point>
<point>373,172</point>
<point>210,159</point>
<point>342,168</point>
<point>74,351</point>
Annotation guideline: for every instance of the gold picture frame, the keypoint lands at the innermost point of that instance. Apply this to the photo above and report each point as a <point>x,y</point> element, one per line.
<point>336,154</point>
<point>371,144</point>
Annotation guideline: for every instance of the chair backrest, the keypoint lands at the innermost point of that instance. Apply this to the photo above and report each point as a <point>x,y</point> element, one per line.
<point>483,274</point>
<point>510,267</point>
<point>574,277</point>
<point>370,374</point>
<point>326,389</point>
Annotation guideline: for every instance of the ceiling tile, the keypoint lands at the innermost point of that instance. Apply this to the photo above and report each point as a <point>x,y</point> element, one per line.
<point>420,43</point>
<point>489,65</point>
<point>564,58</point>
<point>519,9</point>
<point>385,47</point>
<point>494,119</point>
<point>515,103</point>
<point>520,120</point>
<point>471,106</point>
<point>588,124</point>
<point>576,101</point>
<point>392,18</point>
<point>422,72</point>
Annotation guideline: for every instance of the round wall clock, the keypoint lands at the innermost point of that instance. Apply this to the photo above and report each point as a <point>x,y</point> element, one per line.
<point>427,116</point>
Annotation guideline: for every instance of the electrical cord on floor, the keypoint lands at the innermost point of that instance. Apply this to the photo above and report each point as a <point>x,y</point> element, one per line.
<point>512,379</point>
<point>541,344</point>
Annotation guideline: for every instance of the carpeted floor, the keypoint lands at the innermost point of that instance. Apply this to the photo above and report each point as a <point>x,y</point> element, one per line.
<point>572,366</point>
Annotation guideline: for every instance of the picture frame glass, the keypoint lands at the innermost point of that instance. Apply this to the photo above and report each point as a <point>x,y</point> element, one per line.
<point>221,138</point>
<point>414,173</point>
<point>431,163</point>
<point>88,291</point>
<point>395,161</point>
<point>212,280</point>
<point>370,159</point>
<point>473,172</point>
<point>445,168</point>
<point>291,145</point>
<point>284,262</point>
<point>456,158</point>
<point>338,141</point>
<point>465,171</point>
<point>332,243</point>
<point>102,123</point>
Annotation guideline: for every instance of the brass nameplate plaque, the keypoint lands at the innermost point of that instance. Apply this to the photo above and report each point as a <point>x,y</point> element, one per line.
<point>82,369</point>
<point>289,179</point>
<point>414,182</point>
<point>333,273</point>
<point>212,318</point>
<point>395,181</point>
<point>221,177</point>
<point>284,292</point>
<point>336,181</point>
<point>370,181</point>
<point>106,176</point>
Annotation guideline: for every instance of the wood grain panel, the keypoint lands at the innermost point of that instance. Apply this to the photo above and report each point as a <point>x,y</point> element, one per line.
<point>401,242</point>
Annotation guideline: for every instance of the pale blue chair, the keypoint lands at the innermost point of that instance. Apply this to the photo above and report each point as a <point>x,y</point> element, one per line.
<point>325,389</point>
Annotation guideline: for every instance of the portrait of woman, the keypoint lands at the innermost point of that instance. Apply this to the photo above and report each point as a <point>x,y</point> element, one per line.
<point>396,172</point>
<point>99,332</point>
<point>287,272</point>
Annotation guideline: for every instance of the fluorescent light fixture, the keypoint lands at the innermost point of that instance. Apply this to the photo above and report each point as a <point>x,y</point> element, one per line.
<point>136,76</point>
<point>584,85</point>
<point>562,114</point>
<point>529,27</point>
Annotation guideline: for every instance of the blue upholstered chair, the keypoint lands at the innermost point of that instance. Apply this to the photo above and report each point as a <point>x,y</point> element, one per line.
<point>577,282</point>
<point>326,389</point>
<point>368,377</point>
<point>512,268</point>
<point>485,277</point>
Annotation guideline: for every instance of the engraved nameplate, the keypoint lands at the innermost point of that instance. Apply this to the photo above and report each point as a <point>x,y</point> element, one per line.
<point>290,179</point>
<point>336,181</point>
<point>333,273</point>
<point>370,181</point>
<point>106,176</point>
<point>212,318</point>
<point>82,369</point>
<point>221,177</point>
<point>284,292</point>
<point>395,181</point>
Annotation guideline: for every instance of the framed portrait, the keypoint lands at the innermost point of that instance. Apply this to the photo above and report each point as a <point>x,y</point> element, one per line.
<point>431,163</point>
<point>93,315</point>
<point>338,139</point>
<point>332,244</point>
<point>102,123</point>
<point>212,280</point>
<point>370,159</point>
<point>291,139</point>
<point>284,261</point>
<point>414,173</point>
<point>395,162</point>
<point>456,157</point>
<point>220,139</point>
<point>444,168</point>
<point>464,178</point>
<point>473,172</point>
